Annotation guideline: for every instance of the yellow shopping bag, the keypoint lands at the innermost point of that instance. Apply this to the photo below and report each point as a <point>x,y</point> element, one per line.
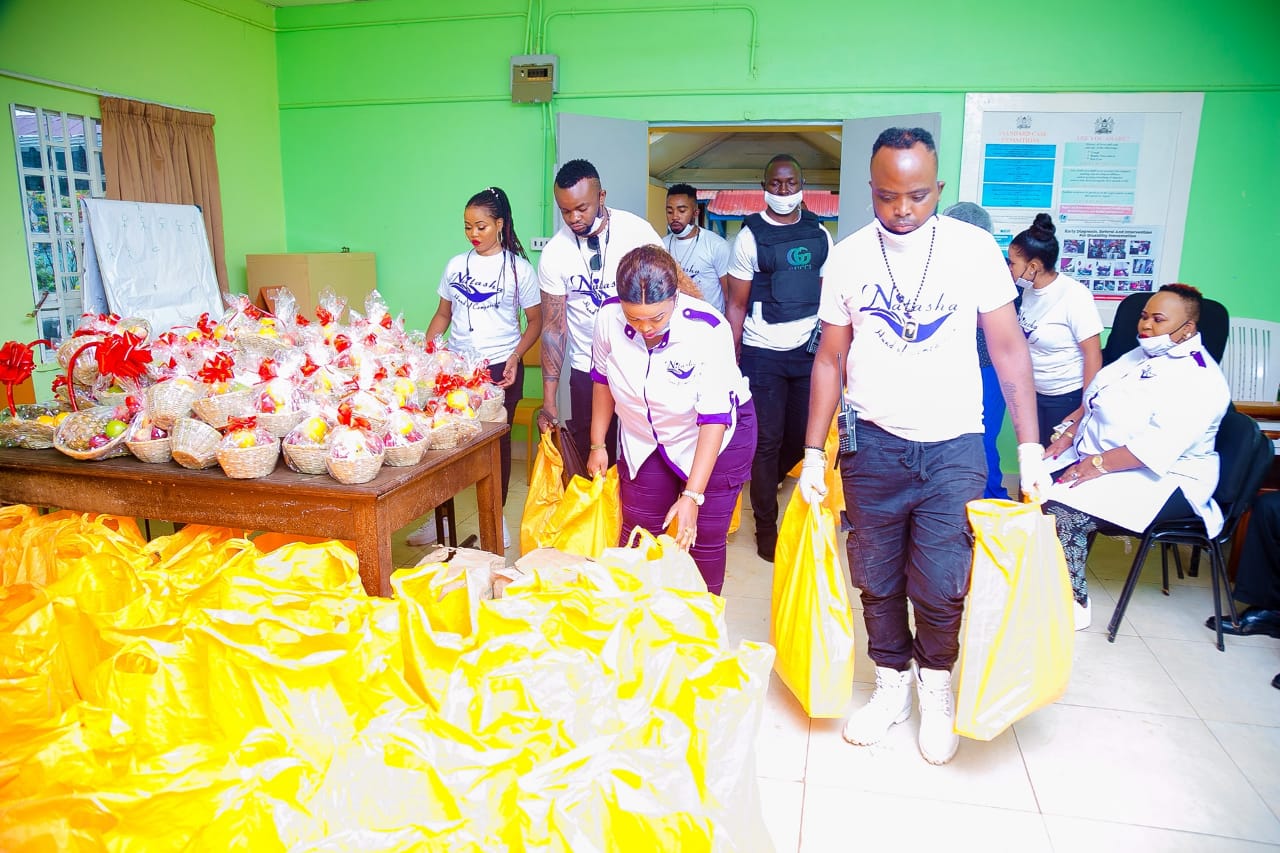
<point>546,488</point>
<point>588,519</point>
<point>654,563</point>
<point>1020,632</point>
<point>812,622</point>
<point>834,500</point>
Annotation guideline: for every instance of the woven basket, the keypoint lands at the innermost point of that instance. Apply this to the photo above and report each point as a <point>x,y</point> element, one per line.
<point>217,409</point>
<point>247,463</point>
<point>406,455</point>
<point>112,398</point>
<point>30,434</point>
<point>86,369</point>
<point>260,346</point>
<point>152,450</point>
<point>279,423</point>
<point>168,401</point>
<point>453,432</point>
<point>493,410</point>
<point>306,458</point>
<point>79,426</point>
<point>194,443</point>
<point>360,469</point>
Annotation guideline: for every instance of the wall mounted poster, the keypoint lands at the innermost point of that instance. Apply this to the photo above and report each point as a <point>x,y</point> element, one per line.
<point>1114,171</point>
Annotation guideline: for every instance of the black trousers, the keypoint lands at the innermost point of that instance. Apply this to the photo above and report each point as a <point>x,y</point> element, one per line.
<point>780,388</point>
<point>1258,573</point>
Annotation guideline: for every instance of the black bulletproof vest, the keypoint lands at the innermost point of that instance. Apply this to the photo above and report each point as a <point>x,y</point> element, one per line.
<point>789,258</point>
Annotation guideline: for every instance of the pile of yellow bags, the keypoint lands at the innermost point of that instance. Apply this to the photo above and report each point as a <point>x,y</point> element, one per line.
<point>194,693</point>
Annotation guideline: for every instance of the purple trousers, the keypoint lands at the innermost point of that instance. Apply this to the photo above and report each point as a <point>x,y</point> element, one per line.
<point>648,493</point>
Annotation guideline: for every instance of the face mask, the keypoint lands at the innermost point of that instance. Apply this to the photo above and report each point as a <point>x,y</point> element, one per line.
<point>680,229</point>
<point>1024,283</point>
<point>784,205</point>
<point>1157,344</point>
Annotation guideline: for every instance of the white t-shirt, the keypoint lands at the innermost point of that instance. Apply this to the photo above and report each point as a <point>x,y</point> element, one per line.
<point>779,337</point>
<point>483,292</point>
<point>662,396</point>
<point>565,270</point>
<point>1055,319</point>
<point>705,257</point>
<point>913,364</point>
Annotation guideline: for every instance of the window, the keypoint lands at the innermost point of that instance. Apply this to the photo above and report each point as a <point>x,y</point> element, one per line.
<point>59,163</point>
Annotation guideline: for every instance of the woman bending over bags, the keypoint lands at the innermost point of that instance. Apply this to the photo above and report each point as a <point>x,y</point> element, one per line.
<point>663,361</point>
<point>1140,448</point>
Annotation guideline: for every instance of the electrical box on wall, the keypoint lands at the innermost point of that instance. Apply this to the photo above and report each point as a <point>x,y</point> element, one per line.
<point>533,78</point>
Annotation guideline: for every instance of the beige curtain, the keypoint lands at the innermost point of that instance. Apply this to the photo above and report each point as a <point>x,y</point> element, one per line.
<point>160,154</point>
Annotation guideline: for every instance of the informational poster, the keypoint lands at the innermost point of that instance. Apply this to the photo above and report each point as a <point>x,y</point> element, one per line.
<point>1114,172</point>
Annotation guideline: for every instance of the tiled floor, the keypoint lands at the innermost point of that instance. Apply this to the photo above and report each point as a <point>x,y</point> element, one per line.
<point>1162,743</point>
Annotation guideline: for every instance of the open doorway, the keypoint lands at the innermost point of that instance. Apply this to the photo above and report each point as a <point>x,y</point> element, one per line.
<point>724,163</point>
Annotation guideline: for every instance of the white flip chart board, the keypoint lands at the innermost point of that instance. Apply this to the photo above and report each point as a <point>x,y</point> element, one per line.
<point>149,260</point>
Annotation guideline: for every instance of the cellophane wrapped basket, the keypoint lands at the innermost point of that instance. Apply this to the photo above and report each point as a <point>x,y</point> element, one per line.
<point>307,444</point>
<point>82,435</point>
<point>450,431</point>
<point>247,453</point>
<point>405,439</point>
<point>194,443</point>
<point>149,442</point>
<point>33,428</point>
<point>217,409</point>
<point>492,409</point>
<point>355,455</point>
<point>86,369</point>
<point>169,400</point>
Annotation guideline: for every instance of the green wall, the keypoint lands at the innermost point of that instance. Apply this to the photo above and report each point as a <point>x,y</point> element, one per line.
<point>387,128</point>
<point>218,57</point>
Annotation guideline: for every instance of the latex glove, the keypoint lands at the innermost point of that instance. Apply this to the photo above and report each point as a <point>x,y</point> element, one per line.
<point>813,476</point>
<point>1033,472</point>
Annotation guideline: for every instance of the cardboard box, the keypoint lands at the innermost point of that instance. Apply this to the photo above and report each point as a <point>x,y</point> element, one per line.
<point>350,275</point>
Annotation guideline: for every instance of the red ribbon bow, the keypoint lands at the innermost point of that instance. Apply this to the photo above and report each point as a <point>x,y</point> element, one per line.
<point>323,315</point>
<point>241,422</point>
<point>267,370</point>
<point>380,373</point>
<point>341,343</point>
<point>216,369</point>
<point>16,365</point>
<point>308,366</point>
<point>123,356</point>
<point>348,417</point>
<point>385,322</point>
<point>300,320</point>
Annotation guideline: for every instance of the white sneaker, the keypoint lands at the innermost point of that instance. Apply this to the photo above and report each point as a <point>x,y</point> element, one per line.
<point>1083,613</point>
<point>938,738</point>
<point>426,534</point>
<point>888,706</point>
<point>506,535</point>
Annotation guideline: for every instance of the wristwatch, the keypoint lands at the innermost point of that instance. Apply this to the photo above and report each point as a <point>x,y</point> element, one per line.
<point>1097,463</point>
<point>696,497</point>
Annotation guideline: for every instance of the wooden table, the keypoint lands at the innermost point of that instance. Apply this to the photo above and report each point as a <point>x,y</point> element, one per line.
<point>283,501</point>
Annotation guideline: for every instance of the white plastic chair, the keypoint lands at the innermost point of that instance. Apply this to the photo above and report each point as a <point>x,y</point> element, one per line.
<point>1252,359</point>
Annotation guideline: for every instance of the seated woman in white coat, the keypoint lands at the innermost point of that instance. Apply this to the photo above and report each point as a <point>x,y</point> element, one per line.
<point>1141,447</point>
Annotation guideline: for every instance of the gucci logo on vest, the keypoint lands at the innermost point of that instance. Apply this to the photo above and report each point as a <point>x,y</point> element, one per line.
<point>799,257</point>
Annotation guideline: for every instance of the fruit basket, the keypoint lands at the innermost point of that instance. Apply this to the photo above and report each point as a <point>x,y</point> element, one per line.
<point>32,428</point>
<point>405,439</point>
<point>354,455</point>
<point>248,451</point>
<point>169,400</point>
<point>149,442</point>
<point>217,409</point>
<point>91,434</point>
<point>306,446</point>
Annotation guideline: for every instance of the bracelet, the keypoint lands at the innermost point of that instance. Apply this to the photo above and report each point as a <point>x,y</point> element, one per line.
<point>599,447</point>
<point>821,450</point>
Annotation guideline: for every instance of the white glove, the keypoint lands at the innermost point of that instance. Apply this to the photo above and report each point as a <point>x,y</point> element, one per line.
<point>813,476</point>
<point>1033,472</point>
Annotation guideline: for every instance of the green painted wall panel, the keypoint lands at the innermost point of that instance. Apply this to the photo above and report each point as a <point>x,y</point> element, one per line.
<point>218,57</point>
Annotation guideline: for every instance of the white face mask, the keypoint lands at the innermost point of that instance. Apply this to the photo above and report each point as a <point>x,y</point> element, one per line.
<point>784,205</point>
<point>1024,283</point>
<point>680,230</point>
<point>1158,344</point>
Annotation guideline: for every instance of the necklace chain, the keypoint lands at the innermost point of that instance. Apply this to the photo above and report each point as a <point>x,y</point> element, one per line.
<point>915,299</point>
<point>692,250</point>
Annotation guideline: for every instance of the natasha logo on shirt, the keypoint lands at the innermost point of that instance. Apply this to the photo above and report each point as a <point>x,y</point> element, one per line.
<point>592,289</point>
<point>477,293</point>
<point>900,318</point>
<point>681,370</point>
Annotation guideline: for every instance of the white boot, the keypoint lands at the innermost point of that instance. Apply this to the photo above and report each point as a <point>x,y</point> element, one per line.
<point>1083,613</point>
<point>426,534</point>
<point>889,705</point>
<point>938,738</point>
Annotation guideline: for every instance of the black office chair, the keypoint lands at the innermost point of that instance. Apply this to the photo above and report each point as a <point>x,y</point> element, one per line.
<point>1214,327</point>
<point>1244,456</point>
